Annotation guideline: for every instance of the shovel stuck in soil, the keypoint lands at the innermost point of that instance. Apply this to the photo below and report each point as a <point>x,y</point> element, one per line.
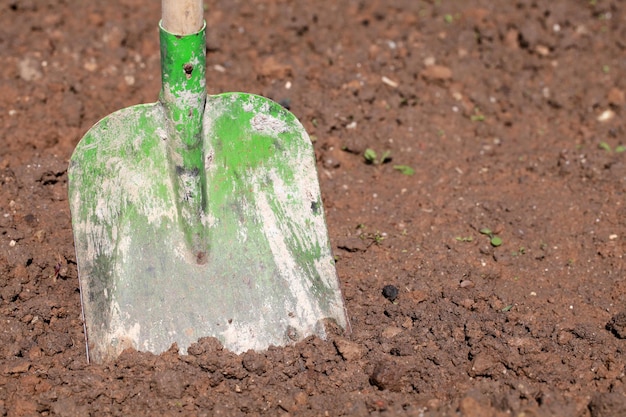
<point>199,216</point>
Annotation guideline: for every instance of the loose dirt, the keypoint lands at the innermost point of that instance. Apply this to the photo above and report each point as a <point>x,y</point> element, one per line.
<point>506,116</point>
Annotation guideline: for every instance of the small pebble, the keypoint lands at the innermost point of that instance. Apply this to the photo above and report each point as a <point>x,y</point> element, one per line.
<point>390,292</point>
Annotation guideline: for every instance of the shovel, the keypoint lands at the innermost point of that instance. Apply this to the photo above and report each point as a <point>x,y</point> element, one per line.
<point>199,216</point>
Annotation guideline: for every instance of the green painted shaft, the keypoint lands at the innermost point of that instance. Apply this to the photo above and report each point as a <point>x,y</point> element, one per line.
<point>183,96</point>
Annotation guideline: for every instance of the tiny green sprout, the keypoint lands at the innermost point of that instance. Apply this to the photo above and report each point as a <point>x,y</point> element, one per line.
<point>494,240</point>
<point>371,157</point>
<point>464,238</point>
<point>477,116</point>
<point>507,308</point>
<point>378,237</point>
<point>521,251</point>
<point>606,69</point>
<point>605,146</point>
<point>620,148</point>
<point>405,169</point>
<point>448,18</point>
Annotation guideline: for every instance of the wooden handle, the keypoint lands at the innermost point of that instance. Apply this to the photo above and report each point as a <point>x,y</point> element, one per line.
<point>182,17</point>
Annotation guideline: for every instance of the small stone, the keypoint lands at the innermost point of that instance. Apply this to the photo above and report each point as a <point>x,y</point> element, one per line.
<point>349,351</point>
<point>391,332</point>
<point>482,366</point>
<point>388,376</point>
<point>40,235</point>
<point>616,97</point>
<point>542,50</point>
<point>30,69</point>
<point>436,73</point>
<point>606,115</point>
<point>391,83</point>
<point>390,292</point>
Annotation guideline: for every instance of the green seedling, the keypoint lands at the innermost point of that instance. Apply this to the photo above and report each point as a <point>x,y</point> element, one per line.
<point>605,146</point>
<point>371,157</point>
<point>374,238</point>
<point>464,239</point>
<point>378,237</point>
<point>405,169</point>
<point>450,18</point>
<point>477,116</point>
<point>494,240</point>
<point>521,251</point>
<point>507,308</point>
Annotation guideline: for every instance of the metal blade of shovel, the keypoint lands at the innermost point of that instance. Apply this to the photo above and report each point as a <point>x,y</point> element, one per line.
<point>199,216</point>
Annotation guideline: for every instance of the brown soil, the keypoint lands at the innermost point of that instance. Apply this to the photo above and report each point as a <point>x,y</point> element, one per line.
<point>511,116</point>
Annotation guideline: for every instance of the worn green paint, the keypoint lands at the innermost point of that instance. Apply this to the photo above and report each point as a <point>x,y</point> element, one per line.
<point>199,216</point>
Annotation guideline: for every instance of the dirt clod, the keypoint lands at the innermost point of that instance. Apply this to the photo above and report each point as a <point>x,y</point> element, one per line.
<point>617,325</point>
<point>349,350</point>
<point>388,375</point>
